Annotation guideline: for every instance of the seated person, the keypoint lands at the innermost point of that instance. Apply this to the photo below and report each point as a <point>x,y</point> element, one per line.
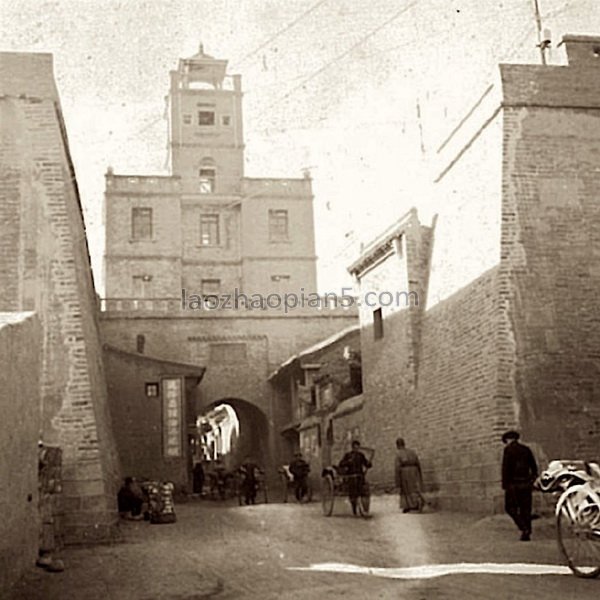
<point>130,499</point>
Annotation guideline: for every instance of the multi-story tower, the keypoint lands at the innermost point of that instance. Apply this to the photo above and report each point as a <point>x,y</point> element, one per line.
<point>206,227</point>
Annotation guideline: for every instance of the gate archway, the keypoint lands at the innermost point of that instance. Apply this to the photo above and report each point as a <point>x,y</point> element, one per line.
<point>249,439</point>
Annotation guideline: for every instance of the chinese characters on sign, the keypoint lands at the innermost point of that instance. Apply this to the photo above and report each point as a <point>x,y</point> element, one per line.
<point>172,417</point>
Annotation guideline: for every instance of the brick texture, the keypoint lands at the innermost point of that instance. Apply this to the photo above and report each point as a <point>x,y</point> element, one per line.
<point>50,273</point>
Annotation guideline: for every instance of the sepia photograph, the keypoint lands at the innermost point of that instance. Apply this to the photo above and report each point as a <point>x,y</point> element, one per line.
<point>299,299</point>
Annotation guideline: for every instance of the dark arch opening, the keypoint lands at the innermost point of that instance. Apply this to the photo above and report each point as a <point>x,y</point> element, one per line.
<point>233,430</point>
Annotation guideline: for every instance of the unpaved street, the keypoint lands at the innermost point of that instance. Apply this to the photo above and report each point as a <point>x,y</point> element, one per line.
<point>225,551</point>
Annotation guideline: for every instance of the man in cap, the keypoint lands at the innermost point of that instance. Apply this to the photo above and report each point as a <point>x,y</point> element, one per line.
<point>519,471</point>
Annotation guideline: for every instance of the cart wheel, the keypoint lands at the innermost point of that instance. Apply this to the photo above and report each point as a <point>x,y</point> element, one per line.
<point>578,541</point>
<point>327,495</point>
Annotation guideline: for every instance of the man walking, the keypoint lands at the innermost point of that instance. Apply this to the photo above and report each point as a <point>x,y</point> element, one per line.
<point>519,471</point>
<point>354,465</point>
<point>300,469</point>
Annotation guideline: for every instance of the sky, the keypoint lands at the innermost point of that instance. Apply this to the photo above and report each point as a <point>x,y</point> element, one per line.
<point>357,92</point>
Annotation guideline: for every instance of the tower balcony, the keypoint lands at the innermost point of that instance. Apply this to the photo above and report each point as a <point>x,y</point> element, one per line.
<point>142,184</point>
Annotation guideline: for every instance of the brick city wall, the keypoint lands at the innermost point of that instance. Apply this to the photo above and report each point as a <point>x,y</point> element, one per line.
<point>55,279</point>
<point>551,244</point>
<point>20,343</point>
<point>451,424</point>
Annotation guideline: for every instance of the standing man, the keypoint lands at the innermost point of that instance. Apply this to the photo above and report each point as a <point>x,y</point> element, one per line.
<point>300,469</point>
<point>354,464</point>
<point>519,471</point>
<point>249,471</point>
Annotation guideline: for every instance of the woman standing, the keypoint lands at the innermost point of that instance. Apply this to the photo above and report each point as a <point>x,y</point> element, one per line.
<point>409,479</point>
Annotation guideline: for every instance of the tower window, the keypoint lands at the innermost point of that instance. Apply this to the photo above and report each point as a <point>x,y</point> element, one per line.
<point>141,223</point>
<point>278,225</point>
<point>377,324</point>
<point>207,180</point>
<point>209,230</point>
<point>187,119</point>
<point>206,117</point>
<point>141,286</point>
<point>226,120</point>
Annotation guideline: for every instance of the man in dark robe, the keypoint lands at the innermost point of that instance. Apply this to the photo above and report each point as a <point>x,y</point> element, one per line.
<point>519,471</point>
<point>198,478</point>
<point>409,479</point>
<point>249,472</point>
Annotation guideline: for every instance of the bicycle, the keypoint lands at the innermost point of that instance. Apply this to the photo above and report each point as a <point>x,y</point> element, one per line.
<point>577,513</point>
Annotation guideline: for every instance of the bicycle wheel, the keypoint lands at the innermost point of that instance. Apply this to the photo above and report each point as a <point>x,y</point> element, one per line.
<point>578,541</point>
<point>327,495</point>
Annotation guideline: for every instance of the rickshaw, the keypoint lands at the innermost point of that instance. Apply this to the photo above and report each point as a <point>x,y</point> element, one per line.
<point>336,483</point>
<point>288,485</point>
<point>577,485</point>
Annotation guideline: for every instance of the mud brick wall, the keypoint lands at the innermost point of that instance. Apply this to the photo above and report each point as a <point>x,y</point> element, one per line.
<point>20,343</point>
<point>52,270</point>
<point>551,245</point>
<point>453,424</point>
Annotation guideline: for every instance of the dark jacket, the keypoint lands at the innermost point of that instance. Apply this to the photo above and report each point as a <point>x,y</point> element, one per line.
<point>354,463</point>
<point>518,466</point>
<point>299,468</point>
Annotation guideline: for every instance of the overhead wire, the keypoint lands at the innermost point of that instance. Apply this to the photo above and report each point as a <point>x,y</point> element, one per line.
<point>339,57</point>
<point>281,31</point>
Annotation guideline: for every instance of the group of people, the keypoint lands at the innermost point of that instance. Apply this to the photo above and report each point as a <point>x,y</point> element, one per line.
<point>219,477</point>
<point>519,471</point>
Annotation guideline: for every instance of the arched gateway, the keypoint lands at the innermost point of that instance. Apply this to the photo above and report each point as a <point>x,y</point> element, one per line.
<point>234,429</point>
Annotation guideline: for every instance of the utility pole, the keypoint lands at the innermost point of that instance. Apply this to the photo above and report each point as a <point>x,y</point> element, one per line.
<point>543,39</point>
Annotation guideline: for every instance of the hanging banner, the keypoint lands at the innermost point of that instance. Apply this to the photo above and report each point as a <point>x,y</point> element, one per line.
<point>172,418</point>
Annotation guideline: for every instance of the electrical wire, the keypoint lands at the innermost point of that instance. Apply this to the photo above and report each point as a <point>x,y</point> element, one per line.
<point>339,57</point>
<point>281,31</point>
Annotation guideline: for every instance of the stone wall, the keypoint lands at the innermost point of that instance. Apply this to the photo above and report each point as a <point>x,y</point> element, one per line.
<point>20,344</point>
<point>50,273</point>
